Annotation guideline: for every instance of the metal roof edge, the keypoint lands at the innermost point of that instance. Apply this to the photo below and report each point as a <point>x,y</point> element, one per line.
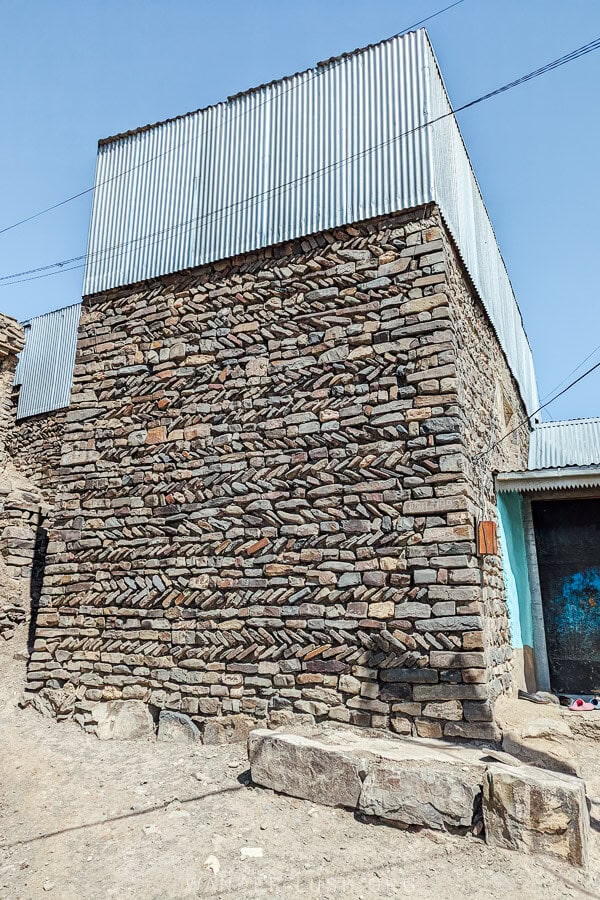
<point>323,64</point>
<point>476,180</point>
<point>24,322</point>
<point>548,479</point>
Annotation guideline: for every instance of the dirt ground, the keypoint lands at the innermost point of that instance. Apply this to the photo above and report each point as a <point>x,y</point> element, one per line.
<point>81,818</point>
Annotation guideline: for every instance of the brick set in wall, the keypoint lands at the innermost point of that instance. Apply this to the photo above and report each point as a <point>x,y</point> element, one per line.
<point>266,502</point>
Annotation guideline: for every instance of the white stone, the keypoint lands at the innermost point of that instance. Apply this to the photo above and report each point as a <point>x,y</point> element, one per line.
<point>122,720</point>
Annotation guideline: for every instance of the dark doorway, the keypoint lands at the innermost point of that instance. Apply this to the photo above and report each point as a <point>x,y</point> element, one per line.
<point>568,548</point>
<point>37,576</point>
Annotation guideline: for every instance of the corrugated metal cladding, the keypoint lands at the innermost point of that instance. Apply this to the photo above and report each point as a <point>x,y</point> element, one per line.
<point>575,442</point>
<point>342,142</point>
<point>45,368</point>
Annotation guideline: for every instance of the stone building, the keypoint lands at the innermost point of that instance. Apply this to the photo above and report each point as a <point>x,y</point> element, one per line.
<point>299,357</point>
<point>23,508</point>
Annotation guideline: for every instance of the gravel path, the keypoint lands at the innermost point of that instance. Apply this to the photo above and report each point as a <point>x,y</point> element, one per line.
<point>84,819</point>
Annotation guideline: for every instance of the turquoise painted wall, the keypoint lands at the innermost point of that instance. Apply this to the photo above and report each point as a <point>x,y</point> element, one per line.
<point>514,560</point>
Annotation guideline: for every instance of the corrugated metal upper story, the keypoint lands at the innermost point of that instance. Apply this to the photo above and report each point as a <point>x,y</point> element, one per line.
<point>45,368</point>
<point>362,135</point>
<point>573,442</point>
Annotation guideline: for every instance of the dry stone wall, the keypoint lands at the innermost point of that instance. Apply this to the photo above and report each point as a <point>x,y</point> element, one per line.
<point>266,504</point>
<point>22,507</point>
<point>34,444</point>
<point>490,409</point>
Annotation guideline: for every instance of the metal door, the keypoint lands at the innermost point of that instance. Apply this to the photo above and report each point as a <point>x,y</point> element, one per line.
<point>568,548</point>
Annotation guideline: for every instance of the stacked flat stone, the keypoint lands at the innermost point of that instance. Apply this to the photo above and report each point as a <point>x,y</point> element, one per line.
<point>11,344</point>
<point>21,505</point>
<point>12,338</point>
<point>268,490</point>
<point>34,445</point>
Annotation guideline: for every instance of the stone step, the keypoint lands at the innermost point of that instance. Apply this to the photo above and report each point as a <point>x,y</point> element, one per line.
<point>427,783</point>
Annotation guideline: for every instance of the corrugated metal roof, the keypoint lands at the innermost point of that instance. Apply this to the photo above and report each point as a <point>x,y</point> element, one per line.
<point>339,143</point>
<point>45,367</point>
<point>574,442</point>
<point>568,478</point>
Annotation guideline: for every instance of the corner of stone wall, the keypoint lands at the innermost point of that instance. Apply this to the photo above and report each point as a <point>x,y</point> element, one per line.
<point>490,405</point>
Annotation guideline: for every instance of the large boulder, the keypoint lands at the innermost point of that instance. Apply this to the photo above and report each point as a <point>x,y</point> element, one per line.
<point>545,743</point>
<point>177,728</point>
<point>537,735</point>
<point>537,812</point>
<point>122,720</point>
<point>305,767</point>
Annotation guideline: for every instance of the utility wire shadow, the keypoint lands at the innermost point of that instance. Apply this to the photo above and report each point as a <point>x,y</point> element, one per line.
<point>119,818</point>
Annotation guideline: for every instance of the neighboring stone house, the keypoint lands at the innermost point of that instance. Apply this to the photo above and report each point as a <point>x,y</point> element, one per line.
<point>22,505</point>
<point>297,352</point>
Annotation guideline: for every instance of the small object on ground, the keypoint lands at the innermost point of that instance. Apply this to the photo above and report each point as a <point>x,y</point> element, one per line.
<point>580,705</point>
<point>251,852</point>
<point>49,885</point>
<point>534,698</point>
<point>212,863</point>
<point>595,701</point>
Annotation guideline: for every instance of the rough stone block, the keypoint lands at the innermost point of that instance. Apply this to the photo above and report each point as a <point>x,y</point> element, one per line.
<point>545,744</point>
<point>426,792</point>
<point>122,720</point>
<point>303,767</point>
<point>536,812</point>
<point>177,728</point>
<point>228,729</point>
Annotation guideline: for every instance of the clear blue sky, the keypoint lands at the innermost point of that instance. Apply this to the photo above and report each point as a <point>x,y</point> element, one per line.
<point>73,71</point>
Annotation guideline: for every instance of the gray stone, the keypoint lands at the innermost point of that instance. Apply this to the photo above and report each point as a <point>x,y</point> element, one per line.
<point>412,676</point>
<point>413,611</point>
<point>450,623</point>
<point>304,767</point>
<point>122,720</point>
<point>536,812</point>
<point>430,793</point>
<point>56,703</point>
<point>177,728</point>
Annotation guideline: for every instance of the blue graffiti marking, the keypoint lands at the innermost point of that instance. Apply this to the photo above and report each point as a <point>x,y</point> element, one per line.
<point>577,608</point>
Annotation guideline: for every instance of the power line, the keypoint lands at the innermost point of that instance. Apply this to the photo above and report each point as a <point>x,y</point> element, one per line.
<point>572,372</point>
<point>528,418</point>
<point>317,74</point>
<point>8,280</point>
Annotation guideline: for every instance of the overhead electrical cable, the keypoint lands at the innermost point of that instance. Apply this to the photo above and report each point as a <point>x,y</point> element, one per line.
<point>572,372</point>
<point>319,70</point>
<point>6,280</point>
<point>528,418</point>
